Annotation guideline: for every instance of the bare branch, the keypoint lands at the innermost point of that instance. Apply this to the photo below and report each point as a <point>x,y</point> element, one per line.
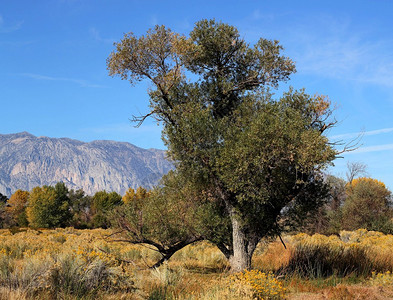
<point>282,241</point>
<point>355,169</point>
<point>350,146</point>
<point>140,119</point>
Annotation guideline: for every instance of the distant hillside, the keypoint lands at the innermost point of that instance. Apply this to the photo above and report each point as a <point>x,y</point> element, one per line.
<point>27,161</point>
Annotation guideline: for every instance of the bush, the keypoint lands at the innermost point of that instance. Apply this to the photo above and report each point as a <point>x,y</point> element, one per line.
<point>382,279</point>
<point>257,285</point>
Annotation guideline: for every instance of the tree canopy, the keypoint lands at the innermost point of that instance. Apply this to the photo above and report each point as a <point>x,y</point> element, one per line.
<point>102,203</point>
<point>48,206</point>
<point>368,205</point>
<point>250,159</point>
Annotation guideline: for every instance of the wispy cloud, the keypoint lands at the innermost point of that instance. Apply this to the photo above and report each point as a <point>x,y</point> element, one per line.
<point>375,148</point>
<point>330,48</point>
<point>80,82</point>
<point>97,36</point>
<point>7,28</point>
<point>364,133</point>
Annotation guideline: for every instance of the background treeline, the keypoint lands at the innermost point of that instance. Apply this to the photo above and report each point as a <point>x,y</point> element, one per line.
<point>53,207</point>
<point>352,204</point>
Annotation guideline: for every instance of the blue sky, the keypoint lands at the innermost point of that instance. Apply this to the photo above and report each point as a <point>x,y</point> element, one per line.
<point>54,82</point>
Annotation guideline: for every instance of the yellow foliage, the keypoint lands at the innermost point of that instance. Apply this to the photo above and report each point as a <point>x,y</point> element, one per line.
<point>321,104</point>
<point>132,196</point>
<point>356,181</point>
<point>382,279</point>
<point>260,285</point>
<point>129,196</point>
<point>17,206</point>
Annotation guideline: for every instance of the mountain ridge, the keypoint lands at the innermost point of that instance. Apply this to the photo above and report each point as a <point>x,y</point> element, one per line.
<point>27,161</point>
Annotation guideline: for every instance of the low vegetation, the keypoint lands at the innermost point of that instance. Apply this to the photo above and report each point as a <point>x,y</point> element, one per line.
<point>88,264</point>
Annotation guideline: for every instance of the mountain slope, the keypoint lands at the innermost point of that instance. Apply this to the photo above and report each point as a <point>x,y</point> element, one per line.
<point>27,161</point>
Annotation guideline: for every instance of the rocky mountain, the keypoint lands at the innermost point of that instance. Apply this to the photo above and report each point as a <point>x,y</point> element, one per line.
<point>27,161</point>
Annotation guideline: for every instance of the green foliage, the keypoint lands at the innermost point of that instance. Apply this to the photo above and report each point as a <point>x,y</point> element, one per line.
<point>102,203</point>
<point>63,204</point>
<point>48,207</point>
<point>158,219</point>
<point>325,218</point>
<point>246,156</point>
<point>80,209</point>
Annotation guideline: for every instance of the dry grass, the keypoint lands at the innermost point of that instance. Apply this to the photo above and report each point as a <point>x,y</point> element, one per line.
<point>272,256</point>
<point>84,264</point>
<point>346,292</point>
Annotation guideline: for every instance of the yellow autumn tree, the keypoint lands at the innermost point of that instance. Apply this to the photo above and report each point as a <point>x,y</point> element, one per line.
<point>367,205</point>
<point>135,197</point>
<point>128,196</point>
<point>16,207</point>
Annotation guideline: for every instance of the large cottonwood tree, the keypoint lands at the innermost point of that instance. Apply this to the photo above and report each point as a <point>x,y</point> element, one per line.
<point>48,206</point>
<point>253,159</point>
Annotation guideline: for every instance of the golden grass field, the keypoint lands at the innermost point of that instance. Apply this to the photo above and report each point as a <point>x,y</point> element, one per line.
<point>88,264</point>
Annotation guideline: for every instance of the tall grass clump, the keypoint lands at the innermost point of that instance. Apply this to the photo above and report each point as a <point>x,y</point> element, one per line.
<point>316,261</point>
<point>164,282</point>
<point>201,257</point>
<point>72,274</point>
<point>357,253</point>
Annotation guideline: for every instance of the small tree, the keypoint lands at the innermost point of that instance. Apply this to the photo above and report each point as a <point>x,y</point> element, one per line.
<point>16,207</point>
<point>368,205</point>
<point>163,217</point>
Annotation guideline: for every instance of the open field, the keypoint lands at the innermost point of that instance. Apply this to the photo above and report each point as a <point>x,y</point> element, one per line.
<point>87,264</point>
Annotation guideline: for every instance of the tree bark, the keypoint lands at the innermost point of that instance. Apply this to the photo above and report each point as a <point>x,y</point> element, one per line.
<point>243,246</point>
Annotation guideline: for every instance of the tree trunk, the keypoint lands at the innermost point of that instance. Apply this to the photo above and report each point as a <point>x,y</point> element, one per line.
<point>243,246</point>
